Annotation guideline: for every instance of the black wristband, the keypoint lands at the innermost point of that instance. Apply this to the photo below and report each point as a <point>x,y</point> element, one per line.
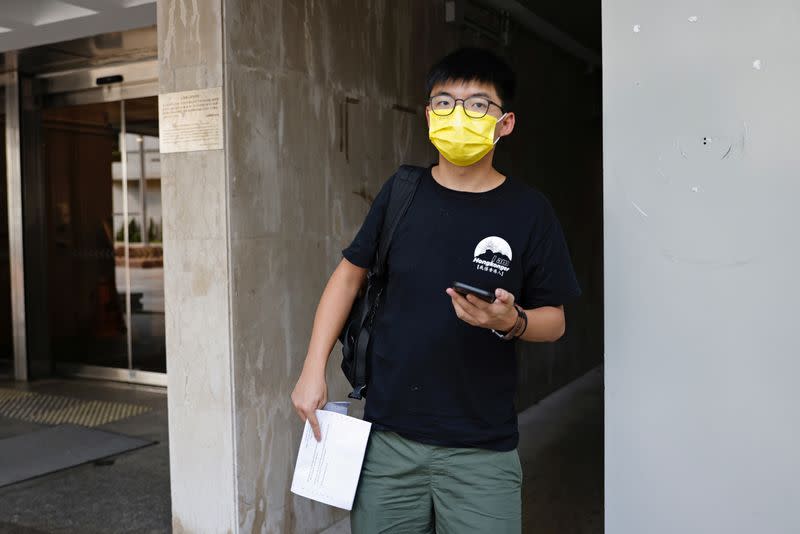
<point>524,317</point>
<point>515,332</point>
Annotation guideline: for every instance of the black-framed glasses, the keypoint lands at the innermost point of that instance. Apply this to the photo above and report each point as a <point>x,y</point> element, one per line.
<point>474,106</point>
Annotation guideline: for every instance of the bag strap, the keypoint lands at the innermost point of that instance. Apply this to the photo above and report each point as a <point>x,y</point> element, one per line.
<point>405,185</point>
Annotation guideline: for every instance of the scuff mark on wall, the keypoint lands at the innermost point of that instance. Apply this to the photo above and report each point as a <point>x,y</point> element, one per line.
<point>745,135</point>
<point>280,125</point>
<point>680,149</point>
<point>363,193</point>
<point>169,41</point>
<point>676,258</point>
<point>404,109</point>
<point>640,210</point>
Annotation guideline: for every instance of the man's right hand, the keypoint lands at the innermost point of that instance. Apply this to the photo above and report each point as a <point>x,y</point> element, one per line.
<point>310,394</point>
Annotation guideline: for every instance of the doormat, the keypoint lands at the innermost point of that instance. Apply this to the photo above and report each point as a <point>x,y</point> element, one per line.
<point>56,448</point>
<point>55,409</point>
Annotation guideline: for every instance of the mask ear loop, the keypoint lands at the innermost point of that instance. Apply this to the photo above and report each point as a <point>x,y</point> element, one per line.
<point>503,116</point>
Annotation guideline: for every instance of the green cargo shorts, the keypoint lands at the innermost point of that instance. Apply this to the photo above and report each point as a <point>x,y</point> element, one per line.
<point>410,487</point>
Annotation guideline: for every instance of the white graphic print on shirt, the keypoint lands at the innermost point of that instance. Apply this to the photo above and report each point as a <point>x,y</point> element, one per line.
<point>493,255</point>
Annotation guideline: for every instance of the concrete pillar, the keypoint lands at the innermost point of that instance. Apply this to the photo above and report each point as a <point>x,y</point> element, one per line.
<point>701,255</point>
<point>197,286</point>
<point>322,100</point>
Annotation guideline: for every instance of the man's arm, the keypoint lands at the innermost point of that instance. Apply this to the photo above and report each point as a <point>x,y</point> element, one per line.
<point>311,392</point>
<point>544,324</point>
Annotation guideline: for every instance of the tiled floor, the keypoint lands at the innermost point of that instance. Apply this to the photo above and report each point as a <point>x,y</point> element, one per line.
<point>127,493</point>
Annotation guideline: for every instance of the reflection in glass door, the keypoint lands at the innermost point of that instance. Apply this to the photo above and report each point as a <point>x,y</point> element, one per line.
<point>141,208</point>
<point>104,234</point>
<point>6,343</point>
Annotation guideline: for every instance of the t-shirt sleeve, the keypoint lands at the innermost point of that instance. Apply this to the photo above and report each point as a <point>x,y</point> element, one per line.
<point>549,276</point>
<point>362,250</point>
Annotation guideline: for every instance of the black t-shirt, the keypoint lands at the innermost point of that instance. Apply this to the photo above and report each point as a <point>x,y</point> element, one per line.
<point>434,378</point>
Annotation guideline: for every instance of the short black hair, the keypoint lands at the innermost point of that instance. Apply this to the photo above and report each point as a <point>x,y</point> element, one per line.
<point>475,65</point>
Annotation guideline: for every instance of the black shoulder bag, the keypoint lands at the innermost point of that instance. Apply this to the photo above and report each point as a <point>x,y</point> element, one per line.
<point>355,335</point>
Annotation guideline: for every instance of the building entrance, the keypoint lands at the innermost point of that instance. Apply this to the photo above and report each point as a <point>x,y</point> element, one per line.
<point>104,245</point>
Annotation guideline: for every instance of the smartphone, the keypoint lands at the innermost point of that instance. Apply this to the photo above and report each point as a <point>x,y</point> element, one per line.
<point>466,289</point>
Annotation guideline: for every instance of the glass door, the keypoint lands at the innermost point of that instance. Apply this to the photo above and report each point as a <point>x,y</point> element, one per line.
<point>105,258</point>
<point>140,210</point>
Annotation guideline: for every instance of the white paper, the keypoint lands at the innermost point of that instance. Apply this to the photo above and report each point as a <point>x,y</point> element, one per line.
<point>328,471</point>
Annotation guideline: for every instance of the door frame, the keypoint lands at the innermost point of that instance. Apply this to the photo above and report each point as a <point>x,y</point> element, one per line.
<point>137,79</point>
<point>117,374</point>
<point>13,172</point>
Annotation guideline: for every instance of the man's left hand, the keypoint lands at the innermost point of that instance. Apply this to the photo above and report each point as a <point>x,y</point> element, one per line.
<point>500,315</point>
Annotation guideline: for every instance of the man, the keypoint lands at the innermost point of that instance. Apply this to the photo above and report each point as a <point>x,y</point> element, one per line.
<point>442,455</point>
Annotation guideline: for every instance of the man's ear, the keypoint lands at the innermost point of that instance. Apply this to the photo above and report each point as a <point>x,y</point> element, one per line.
<point>507,125</point>
<point>427,117</point>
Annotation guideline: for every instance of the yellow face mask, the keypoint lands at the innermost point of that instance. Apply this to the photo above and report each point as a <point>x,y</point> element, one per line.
<point>461,139</point>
